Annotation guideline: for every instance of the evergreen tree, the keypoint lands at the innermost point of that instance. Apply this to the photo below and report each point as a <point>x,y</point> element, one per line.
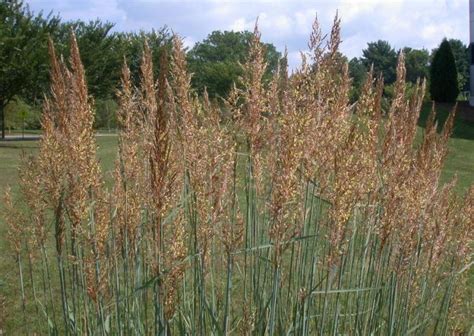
<point>383,57</point>
<point>443,75</point>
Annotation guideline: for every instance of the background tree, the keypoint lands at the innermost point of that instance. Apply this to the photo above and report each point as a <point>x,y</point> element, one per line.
<point>384,59</point>
<point>461,58</point>
<point>417,63</point>
<point>23,53</point>
<point>131,46</point>
<point>358,73</point>
<point>443,73</point>
<point>215,62</point>
<point>24,62</point>
<point>100,53</point>
<point>103,52</point>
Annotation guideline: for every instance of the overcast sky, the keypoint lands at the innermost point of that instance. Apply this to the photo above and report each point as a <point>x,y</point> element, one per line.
<point>413,23</point>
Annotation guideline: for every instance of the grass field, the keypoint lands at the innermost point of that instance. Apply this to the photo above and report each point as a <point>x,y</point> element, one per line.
<point>11,152</point>
<point>460,162</point>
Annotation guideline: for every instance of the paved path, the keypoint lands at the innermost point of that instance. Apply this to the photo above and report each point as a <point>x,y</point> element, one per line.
<point>20,137</point>
<point>33,137</point>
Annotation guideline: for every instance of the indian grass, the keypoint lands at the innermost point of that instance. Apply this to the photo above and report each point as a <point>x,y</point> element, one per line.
<point>297,214</point>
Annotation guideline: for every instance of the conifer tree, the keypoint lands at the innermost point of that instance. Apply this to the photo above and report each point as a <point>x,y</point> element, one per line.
<point>444,84</point>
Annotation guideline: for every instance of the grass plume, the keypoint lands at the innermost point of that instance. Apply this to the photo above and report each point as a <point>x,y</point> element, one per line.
<point>300,214</point>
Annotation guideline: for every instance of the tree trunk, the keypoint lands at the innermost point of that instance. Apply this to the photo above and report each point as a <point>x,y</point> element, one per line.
<point>2,119</point>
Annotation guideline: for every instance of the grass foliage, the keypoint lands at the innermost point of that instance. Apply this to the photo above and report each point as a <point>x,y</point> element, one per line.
<point>299,214</point>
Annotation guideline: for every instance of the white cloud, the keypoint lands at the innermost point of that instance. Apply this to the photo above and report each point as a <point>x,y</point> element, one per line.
<point>281,23</point>
<point>239,25</point>
<point>434,32</point>
<point>294,58</point>
<point>188,42</point>
<point>420,23</point>
<point>304,20</point>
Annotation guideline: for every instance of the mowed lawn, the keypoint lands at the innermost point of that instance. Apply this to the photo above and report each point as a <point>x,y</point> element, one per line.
<point>12,151</point>
<point>460,160</point>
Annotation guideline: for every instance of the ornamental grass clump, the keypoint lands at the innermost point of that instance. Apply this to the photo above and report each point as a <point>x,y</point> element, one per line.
<point>282,210</point>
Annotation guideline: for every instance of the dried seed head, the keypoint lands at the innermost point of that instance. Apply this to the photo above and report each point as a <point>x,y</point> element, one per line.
<point>13,219</point>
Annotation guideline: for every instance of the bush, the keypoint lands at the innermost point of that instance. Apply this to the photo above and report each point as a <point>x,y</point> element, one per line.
<point>106,114</point>
<point>443,75</point>
<point>19,115</point>
<point>410,92</point>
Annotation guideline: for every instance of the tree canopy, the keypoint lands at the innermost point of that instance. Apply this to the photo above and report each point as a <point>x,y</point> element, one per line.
<point>215,62</point>
<point>416,63</point>
<point>358,73</point>
<point>23,52</point>
<point>383,57</point>
<point>100,54</point>
<point>24,59</point>
<point>461,58</point>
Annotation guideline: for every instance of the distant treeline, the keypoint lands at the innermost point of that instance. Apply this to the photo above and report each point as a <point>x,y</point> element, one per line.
<point>214,62</point>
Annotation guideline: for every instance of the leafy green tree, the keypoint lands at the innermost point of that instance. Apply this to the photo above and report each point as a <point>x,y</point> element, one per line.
<point>416,63</point>
<point>215,62</point>
<point>23,53</point>
<point>103,53</point>
<point>358,73</point>
<point>131,46</point>
<point>384,59</point>
<point>20,115</point>
<point>106,114</point>
<point>443,73</point>
<point>461,58</point>
<point>100,53</point>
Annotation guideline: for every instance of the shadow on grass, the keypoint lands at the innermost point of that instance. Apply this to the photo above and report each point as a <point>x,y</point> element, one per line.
<point>463,128</point>
<point>18,144</point>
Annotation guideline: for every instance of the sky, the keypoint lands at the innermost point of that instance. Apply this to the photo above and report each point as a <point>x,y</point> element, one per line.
<point>285,23</point>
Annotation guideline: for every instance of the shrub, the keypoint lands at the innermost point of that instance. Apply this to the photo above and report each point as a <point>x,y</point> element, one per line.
<point>443,75</point>
<point>301,214</point>
<point>106,114</point>
<point>19,115</point>
<point>410,90</point>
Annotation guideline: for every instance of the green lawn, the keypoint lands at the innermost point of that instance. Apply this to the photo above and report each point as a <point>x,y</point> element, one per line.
<point>11,151</point>
<point>460,160</point>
